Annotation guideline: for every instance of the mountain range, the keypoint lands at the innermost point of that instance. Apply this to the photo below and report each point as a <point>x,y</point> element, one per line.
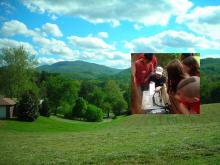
<point>83,70</point>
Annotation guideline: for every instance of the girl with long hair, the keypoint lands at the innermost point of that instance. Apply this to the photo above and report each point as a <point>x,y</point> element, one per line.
<point>191,66</point>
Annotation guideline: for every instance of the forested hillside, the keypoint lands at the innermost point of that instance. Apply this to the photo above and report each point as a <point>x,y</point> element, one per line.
<point>210,80</point>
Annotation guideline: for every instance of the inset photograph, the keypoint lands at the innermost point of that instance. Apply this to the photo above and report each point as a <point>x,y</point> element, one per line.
<point>165,83</point>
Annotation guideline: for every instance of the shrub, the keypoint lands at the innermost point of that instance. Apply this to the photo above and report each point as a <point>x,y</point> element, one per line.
<point>28,109</point>
<point>93,113</point>
<point>64,108</point>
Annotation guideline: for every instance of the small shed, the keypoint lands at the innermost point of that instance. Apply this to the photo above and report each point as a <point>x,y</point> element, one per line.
<point>6,108</point>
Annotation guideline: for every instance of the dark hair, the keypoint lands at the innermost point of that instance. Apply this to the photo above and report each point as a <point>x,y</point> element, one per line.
<point>193,65</point>
<point>175,74</point>
<point>148,56</point>
<point>190,86</point>
<point>185,55</point>
<point>186,82</point>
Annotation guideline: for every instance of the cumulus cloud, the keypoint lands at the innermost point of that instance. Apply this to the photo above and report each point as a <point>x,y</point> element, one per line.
<point>14,27</point>
<point>110,55</point>
<point>89,42</point>
<point>42,41</point>
<point>53,17</point>
<point>103,34</point>
<point>203,20</point>
<point>52,29</point>
<point>47,46</point>
<point>48,61</point>
<point>8,43</point>
<point>116,59</point>
<point>137,26</point>
<point>120,64</point>
<point>210,56</point>
<point>55,47</point>
<point>145,12</point>
<point>171,39</point>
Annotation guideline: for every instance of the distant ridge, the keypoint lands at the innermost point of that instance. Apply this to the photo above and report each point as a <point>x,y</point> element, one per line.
<point>80,69</point>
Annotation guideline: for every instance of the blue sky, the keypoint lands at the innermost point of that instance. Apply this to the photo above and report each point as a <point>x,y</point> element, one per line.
<point>106,32</point>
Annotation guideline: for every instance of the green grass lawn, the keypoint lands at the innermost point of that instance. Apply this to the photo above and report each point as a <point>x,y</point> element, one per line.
<point>136,139</point>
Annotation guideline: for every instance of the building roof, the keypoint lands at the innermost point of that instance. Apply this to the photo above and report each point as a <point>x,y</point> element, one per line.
<point>7,101</point>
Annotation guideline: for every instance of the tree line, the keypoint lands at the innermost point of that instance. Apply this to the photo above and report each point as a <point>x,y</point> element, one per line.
<point>50,93</point>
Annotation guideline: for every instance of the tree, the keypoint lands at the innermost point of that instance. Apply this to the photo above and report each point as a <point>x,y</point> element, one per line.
<point>28,109</point>
<point>44,109</point>
<point>119,107</point>
<point>79,108</point>
<point>93,113</point>
<point>65,108</point>
<point>96,97</point>
<point>17,67</point>
<point>106,106</point>
<point>114,96</point>
<point>86,89</point>
<point>127,96</point>
<point>60,90</point>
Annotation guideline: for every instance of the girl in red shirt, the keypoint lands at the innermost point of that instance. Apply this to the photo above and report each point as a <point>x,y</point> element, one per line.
<point>188,91</point>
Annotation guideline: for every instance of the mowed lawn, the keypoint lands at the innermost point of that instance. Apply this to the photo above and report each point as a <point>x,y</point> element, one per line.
<point>136,139</point>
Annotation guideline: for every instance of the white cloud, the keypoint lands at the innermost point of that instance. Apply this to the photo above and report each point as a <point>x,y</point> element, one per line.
<point>8,43</point>
<point>48,61</point>
<point>191,50</point>
<point>171,39</point>
<point>89,42</point>
<point>210,56</point>
<point>52,29</point>
<point>46,46</point>
<point>137,27</point>
<point>114,23</point>
<point>203,20</point>
<point>149,12</point>
<point>53,17</point>
<point>14,27</point>
<point>42,41</point>
<point>56,47</point>
<point>103,34</point>
<point>120,64</point>
<point>114,59</point>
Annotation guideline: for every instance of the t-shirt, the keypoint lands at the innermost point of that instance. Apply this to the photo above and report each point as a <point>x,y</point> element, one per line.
<point>158,82</point>
<point>153,61</point>
<point>194,108</point>
<point>143,70</point>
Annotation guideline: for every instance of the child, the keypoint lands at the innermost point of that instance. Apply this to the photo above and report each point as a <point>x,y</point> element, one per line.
<point>188,91</point>
<point>175,74</point>
<point>185,55</point>
<point>191,66</point>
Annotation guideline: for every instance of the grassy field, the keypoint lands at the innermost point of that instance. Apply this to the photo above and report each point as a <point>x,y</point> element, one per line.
<point>136,139</point>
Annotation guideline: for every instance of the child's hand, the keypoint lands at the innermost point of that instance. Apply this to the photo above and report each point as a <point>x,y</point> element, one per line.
<point>157,89</point>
